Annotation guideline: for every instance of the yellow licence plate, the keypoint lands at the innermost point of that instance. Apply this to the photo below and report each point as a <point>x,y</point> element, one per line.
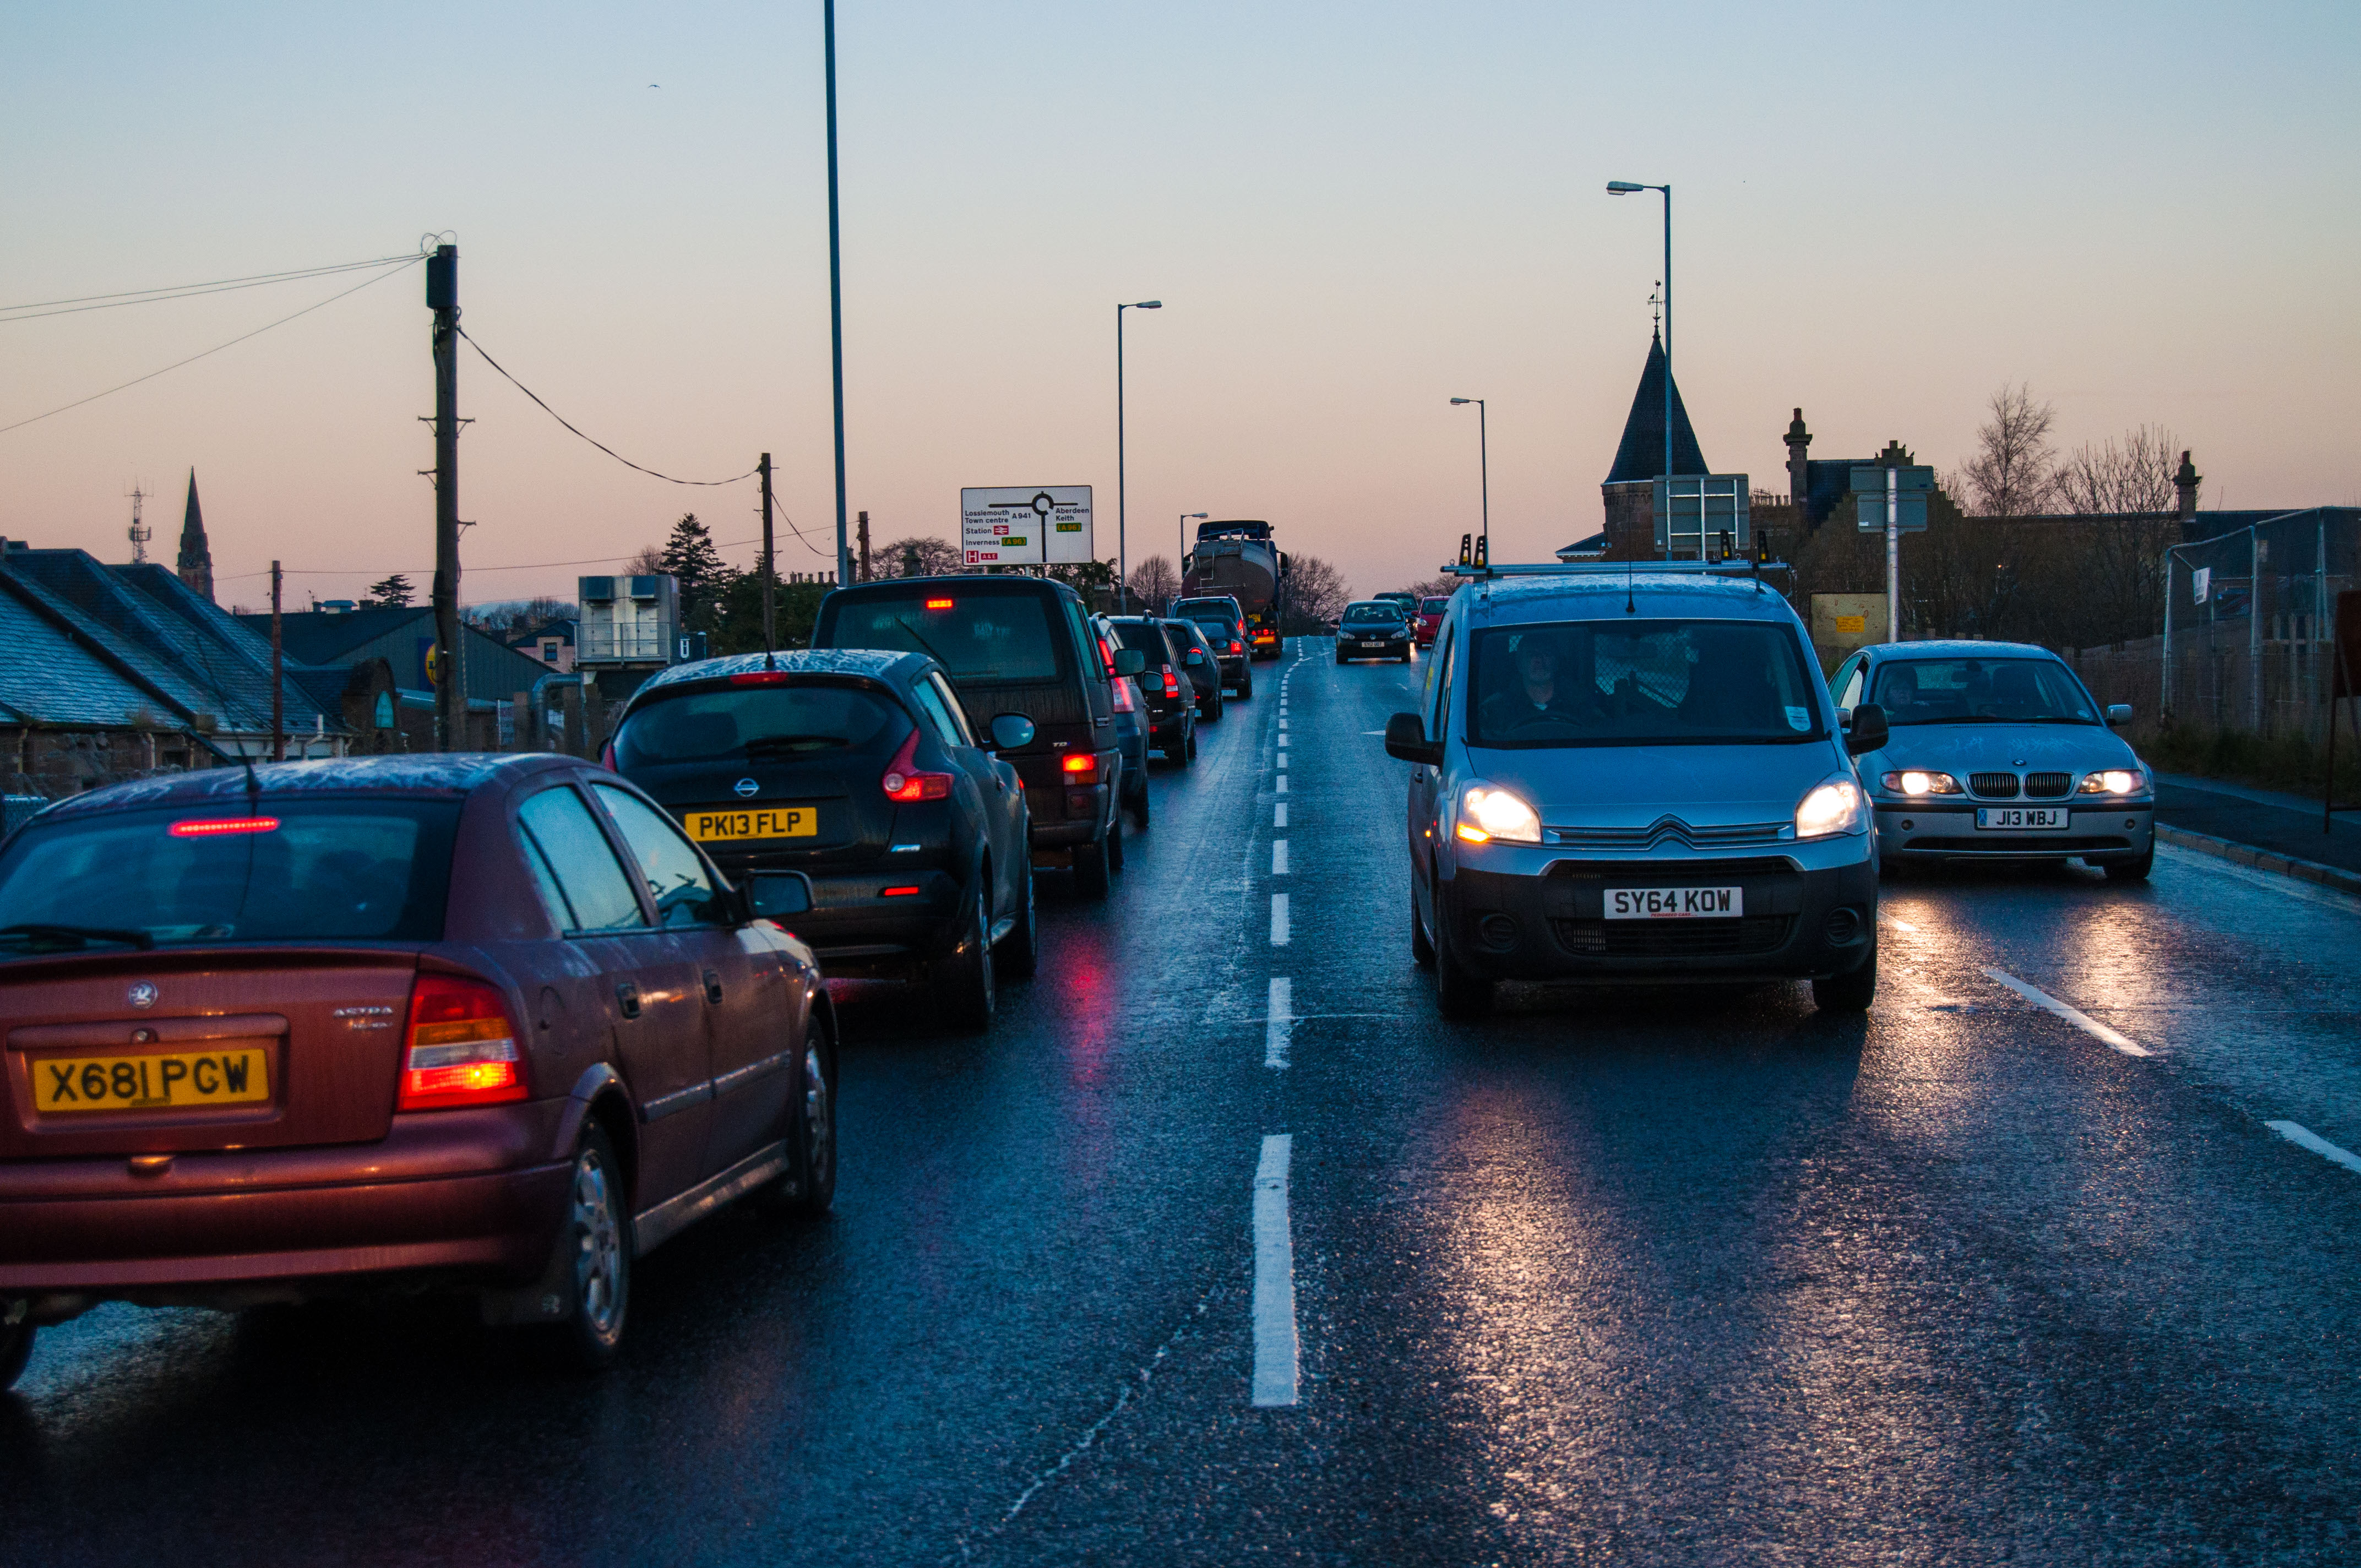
<point>780,822</point>
<point>181,1082</point>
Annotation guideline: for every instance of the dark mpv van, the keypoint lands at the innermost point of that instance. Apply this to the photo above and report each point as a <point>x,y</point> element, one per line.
<point>1019,645</point>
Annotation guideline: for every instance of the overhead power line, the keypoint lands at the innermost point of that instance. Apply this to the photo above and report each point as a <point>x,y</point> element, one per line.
<point>40,308</point>
<point>593,440</point>
<point>404,265</point>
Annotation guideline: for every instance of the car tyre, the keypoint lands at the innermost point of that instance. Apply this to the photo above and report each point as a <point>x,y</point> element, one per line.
<point>1340,656</point>
<point>1421,946</point>
<point>1457,992</point>
<point>1188,748</point>
<point>1091,870</point>
<point>1405,655</point>
<point>1848,992</point>
<point>1115,842</point>
<point>598,1240</point>
<point>2131,870</point>
<point>814,1110</point>
<point>1139,811</point>
<point>965,979</point>
<point>1245,686</point>
<point>1020,950</point>
<point>16,1349</point>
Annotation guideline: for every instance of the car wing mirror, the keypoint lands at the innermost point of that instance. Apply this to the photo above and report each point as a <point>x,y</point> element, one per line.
<point>2118,715</point>
<point>776,896</point>
<point>1406,739</point>
<point>1014,732</point>
<point>1130,662</point>
<point>1868,731</point>
<point>1195,657</point>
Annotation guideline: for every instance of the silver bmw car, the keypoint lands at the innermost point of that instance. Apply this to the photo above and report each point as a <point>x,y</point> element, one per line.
<point>1997,751</point>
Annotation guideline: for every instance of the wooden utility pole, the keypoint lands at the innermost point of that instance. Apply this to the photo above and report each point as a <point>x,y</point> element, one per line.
<point>864,546</point>
<point>450,690</point>
<point>770,572</point>
<point>278,676</point>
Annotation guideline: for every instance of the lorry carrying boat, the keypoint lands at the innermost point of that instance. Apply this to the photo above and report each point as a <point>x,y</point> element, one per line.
<point>1238,558</point>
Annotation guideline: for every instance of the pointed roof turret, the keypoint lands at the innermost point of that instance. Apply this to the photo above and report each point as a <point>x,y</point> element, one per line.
<point>1641,457</point>
<point>196,564</point>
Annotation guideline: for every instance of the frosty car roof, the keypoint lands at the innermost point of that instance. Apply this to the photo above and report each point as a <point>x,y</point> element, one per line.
<point>1602,596</point>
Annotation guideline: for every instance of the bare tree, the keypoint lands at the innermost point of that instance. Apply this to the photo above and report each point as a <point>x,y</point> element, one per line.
<point>1316,590</point>
<point>2013,470</point>
<point>2119,479</point>
<point>648,563</point>
<point>1435,587</point>
<point>931,557</point>
<point>1154,581</point>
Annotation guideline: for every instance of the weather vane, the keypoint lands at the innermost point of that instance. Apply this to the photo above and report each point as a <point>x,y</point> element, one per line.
<point>1656,307</point>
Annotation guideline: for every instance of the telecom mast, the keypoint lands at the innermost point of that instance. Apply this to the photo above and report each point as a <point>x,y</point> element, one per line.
<point>140,532</point>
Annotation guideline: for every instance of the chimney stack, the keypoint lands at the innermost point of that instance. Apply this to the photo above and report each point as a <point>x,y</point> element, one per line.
<point>2185,482</point>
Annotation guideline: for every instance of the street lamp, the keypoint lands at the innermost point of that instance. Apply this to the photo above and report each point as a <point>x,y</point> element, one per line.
<point>1180,574</point>
<point>1122,559</point>
<point>1483,467</point>
<point>1626,187</point>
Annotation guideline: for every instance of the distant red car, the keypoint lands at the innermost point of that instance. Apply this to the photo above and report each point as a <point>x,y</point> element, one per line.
<point>483,1023</point>
<point>1429,620</point>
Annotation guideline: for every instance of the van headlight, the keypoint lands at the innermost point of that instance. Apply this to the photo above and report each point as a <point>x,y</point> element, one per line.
<point>2113,781</point>
<point>1830,808</point>
<point>1486,813</point>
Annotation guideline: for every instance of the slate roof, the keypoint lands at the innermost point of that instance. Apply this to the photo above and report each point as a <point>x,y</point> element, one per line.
<point>1640,456</point>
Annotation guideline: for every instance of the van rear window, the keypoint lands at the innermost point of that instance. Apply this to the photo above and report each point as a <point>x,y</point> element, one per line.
<point>975,636</point>
<point>320,870</point>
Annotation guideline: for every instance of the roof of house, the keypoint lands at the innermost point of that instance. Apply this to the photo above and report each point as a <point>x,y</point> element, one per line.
<point>1641,455</point>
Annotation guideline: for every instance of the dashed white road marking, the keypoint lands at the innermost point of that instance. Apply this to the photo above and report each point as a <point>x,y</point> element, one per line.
<point>1282,743</point>
<point>2081,1020</point>
<point>1282,784</point>
<point>1279,856</point>
<point>2303,1138</point>
<point>1278,919</point>
<point>1275,1349</point>
<point>1279,1024</point>
<point>1278,815</point>
<point>1282,722</point>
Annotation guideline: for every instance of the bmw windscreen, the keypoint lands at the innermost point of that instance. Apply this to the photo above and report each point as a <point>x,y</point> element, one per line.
<point>1651,683</point>
<point>1980,691</point>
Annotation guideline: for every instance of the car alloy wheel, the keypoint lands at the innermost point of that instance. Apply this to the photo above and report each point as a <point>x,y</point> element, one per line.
<point>597,1239</point>
<point>967,974</point>
<point>815,1135</point>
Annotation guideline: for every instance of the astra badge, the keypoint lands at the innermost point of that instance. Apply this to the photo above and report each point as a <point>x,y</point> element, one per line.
<point>142,994</point>
<point>746,788</point>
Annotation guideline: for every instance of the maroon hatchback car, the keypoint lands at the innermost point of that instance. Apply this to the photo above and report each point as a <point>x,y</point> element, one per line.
<point>482,1023</point>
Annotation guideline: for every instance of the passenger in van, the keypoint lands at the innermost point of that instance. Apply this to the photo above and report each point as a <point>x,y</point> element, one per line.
<point>1729,690</point>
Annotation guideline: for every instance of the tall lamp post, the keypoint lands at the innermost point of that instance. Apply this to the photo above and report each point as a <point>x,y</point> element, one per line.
<point>1122,557</point>
<point>836,298</point>
<point>1483,467</point>
<point>1626,187</point>
<point>1180,574</point>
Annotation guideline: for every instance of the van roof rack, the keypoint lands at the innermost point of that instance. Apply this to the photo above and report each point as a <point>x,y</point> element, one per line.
<point>1737,568</point>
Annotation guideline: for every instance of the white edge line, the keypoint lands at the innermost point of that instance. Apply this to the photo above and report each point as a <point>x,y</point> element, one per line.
<point>2304,1137</point>
<point>1276,1351</point>
<point>2081,1020</point>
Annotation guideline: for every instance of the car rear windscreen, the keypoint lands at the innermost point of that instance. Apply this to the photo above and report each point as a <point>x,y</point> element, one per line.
<point>1147,640</point>
<point>980,636</point>
<point>1641,683</point>
<point>293,870</point>
<point>760,724</point>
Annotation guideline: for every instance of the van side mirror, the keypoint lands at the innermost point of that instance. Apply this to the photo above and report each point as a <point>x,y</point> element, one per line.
<point>1012,732</point>
<point>776,896</point>
<point>2118,715</point>
<point>1130,662</point>
<point>1867,732</point>
<point>1406,739</point>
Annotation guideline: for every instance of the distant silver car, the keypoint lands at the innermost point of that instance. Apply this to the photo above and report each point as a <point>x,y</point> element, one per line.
<point>1997,751</point>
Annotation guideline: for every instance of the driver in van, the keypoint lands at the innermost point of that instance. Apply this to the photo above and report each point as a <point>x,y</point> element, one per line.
<point>1541,691</point>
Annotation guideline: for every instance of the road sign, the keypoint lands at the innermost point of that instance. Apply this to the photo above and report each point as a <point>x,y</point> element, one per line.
<point>1694,512</point>
<point>1025,525</point>
<point>1911,487</point>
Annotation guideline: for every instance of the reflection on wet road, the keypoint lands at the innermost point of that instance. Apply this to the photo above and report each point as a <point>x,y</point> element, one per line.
<point>1659,1276</point>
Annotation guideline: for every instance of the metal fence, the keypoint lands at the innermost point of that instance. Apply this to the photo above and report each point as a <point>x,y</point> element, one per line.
<point>2248,623</point>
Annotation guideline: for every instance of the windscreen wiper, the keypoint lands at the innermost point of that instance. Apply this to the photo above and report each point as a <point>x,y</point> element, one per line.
<point>929,647</point>
<point>80,935</point>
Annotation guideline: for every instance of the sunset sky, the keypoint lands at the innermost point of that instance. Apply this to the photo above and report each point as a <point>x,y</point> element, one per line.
<point>1352,213</point>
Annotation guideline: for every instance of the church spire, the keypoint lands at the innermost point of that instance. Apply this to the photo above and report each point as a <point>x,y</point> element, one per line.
<point>196,567</point>
<point>1641,455</point>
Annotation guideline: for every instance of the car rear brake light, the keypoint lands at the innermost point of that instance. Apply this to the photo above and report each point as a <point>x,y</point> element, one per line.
<point>899,892</point>
<point>1172,682</point>
<point>607,757</point>
<point>1236,647</point>
<point>938,604</point>
<point>207,828</point>
<point>462,1046</point>
<point>905,781</point>
<point>1123,702</point>
<point>761,678</point>
<point>1107,656</point>
<point>1079,767</point>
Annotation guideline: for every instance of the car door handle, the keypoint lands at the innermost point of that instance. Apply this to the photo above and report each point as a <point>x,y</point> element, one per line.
<point>627,997</point>
<point>713,988</point>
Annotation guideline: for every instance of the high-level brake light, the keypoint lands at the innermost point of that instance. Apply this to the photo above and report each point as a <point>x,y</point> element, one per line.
<point>462,1046</point>
<point>938,604</point>
<point>761,678</point>
<point>905,781</point>
<point>197,827</point>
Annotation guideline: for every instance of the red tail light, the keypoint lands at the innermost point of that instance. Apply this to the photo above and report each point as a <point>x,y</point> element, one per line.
<point>1079,767</point>
<point>1172,682</point>
<point>607,757</point>
<point>1107,656</point>
<point>898,892</point>
<point>904,781</point>
<point>462,1048</point>
<point>1124,701</point>
<point>1235,646</point>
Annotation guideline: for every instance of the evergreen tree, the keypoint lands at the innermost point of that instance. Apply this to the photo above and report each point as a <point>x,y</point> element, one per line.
<point>693,562</point>
<point>393,593</point>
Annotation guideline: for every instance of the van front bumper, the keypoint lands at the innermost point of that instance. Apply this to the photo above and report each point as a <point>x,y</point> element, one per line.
<point>1809,911</point>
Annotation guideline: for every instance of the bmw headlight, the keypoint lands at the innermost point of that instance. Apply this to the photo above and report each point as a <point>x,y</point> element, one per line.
<point>2113,781</point>
<point>1911,780</point>
<point>1486,813</point>
<point>1830,808</point>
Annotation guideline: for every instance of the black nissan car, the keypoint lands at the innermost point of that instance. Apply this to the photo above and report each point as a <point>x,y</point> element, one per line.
<point>1013,645</point>
<point>861,770</point>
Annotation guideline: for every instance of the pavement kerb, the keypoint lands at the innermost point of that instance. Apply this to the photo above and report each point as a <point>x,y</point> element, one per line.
<point>2229,849</point>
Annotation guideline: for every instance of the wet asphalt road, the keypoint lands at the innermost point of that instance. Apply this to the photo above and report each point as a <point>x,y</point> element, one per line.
<point>1653,1278</point>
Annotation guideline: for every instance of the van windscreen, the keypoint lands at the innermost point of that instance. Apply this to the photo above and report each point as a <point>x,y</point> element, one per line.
<point>1656,682</point>
<point>975,636</point>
